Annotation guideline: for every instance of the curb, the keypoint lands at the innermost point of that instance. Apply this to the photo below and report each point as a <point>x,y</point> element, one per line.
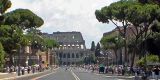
<point>14,78</point>
<point>124,77</point>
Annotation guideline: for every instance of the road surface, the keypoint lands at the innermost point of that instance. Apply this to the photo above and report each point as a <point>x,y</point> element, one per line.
<point>75,74</point>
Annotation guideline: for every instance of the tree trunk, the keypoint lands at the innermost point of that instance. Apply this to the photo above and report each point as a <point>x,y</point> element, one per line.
<point>120,62</point>
<point>134,53</point>
<point>125,51</point>
<point>115,51</point>
<point>10,60</point>
<point>133,57</point>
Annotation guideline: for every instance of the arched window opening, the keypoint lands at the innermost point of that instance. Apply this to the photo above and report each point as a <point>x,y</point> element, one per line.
<point>72,55</point>
<point>77,56</point>
<point>64,55</point>
<point>68,55</point>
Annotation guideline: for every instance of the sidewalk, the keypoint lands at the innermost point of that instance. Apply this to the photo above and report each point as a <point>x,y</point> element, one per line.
<point>13,76</point>
<point>7,75</point>
<point>118,76</point>
<point>124,77</point>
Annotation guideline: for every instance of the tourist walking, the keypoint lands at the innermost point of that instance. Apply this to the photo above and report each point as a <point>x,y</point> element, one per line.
<point>156,72</point>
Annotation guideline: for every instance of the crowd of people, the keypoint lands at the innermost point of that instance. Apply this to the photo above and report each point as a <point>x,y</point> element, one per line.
<point>26,70</point>
<point>143,72</point>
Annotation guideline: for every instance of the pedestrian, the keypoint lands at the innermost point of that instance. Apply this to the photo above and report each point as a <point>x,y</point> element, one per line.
<point>33,69</point>
<point>8,69</point>
<point>29,69</point>
<point>106,69</point>
<point>112,70</point>
<point>22,70</point>
<point>143,75</point>
<point>92,69</point>
<point>17,69</point>
<point>123,71</point>
<point>156,71</point>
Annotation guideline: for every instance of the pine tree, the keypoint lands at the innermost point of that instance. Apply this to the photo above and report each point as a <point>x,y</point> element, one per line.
<point>97,51</point>
<point>93,46</point>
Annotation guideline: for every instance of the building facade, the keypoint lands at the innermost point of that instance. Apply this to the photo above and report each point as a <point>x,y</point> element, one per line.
<point>130,34</point>
<point>71,50</point>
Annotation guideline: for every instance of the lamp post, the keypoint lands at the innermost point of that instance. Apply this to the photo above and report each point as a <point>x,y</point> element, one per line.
<point>36,60</point>
<point>54,59</point>
<point>19,60</point>
<point>107,55</point>
<point>29,51</point>
<point>27,61</point>
<point>145,56</point>
<point>103,56</point>
<point>14,61</point>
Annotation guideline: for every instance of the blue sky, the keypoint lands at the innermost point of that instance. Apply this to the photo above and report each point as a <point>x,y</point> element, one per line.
<point>69,15</point>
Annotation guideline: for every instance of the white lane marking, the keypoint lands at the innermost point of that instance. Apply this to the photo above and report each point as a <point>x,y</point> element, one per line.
<point>45,75</point>
<point>75,76</point>
<point>97,74</point>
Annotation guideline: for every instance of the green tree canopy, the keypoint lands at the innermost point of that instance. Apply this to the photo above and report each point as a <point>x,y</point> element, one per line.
<point>116,12</point>
<point>36,41</point>
<point>112,42</point>
<point>24,18</point>
<point>10,37</point>
<point>4,5</point>
<point>131,12</point>
<point>149,58</point>
<point>149,1</point>
<point>50,43</point>
<point>2,55</point>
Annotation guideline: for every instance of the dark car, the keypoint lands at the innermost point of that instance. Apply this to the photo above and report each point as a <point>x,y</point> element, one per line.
<point>101,68</point>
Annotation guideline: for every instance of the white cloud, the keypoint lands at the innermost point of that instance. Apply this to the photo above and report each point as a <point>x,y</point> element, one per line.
<point>68,15</point>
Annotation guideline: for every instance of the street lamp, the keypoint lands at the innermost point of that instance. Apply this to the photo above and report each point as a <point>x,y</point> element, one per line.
<point>55,59</point>
<point>27,61</point>
<point>36,59</point>
<point>19,60</point>
<point>14,51</point>
<point>108,52</point>
<point>107,58</point>
<point>29,53</point>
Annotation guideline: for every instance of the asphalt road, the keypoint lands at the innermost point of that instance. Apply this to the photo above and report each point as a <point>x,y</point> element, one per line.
<point>75,74</point>
<point>32,77</point>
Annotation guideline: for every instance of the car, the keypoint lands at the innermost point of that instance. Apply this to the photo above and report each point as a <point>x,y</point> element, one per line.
<point>101,68</point>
